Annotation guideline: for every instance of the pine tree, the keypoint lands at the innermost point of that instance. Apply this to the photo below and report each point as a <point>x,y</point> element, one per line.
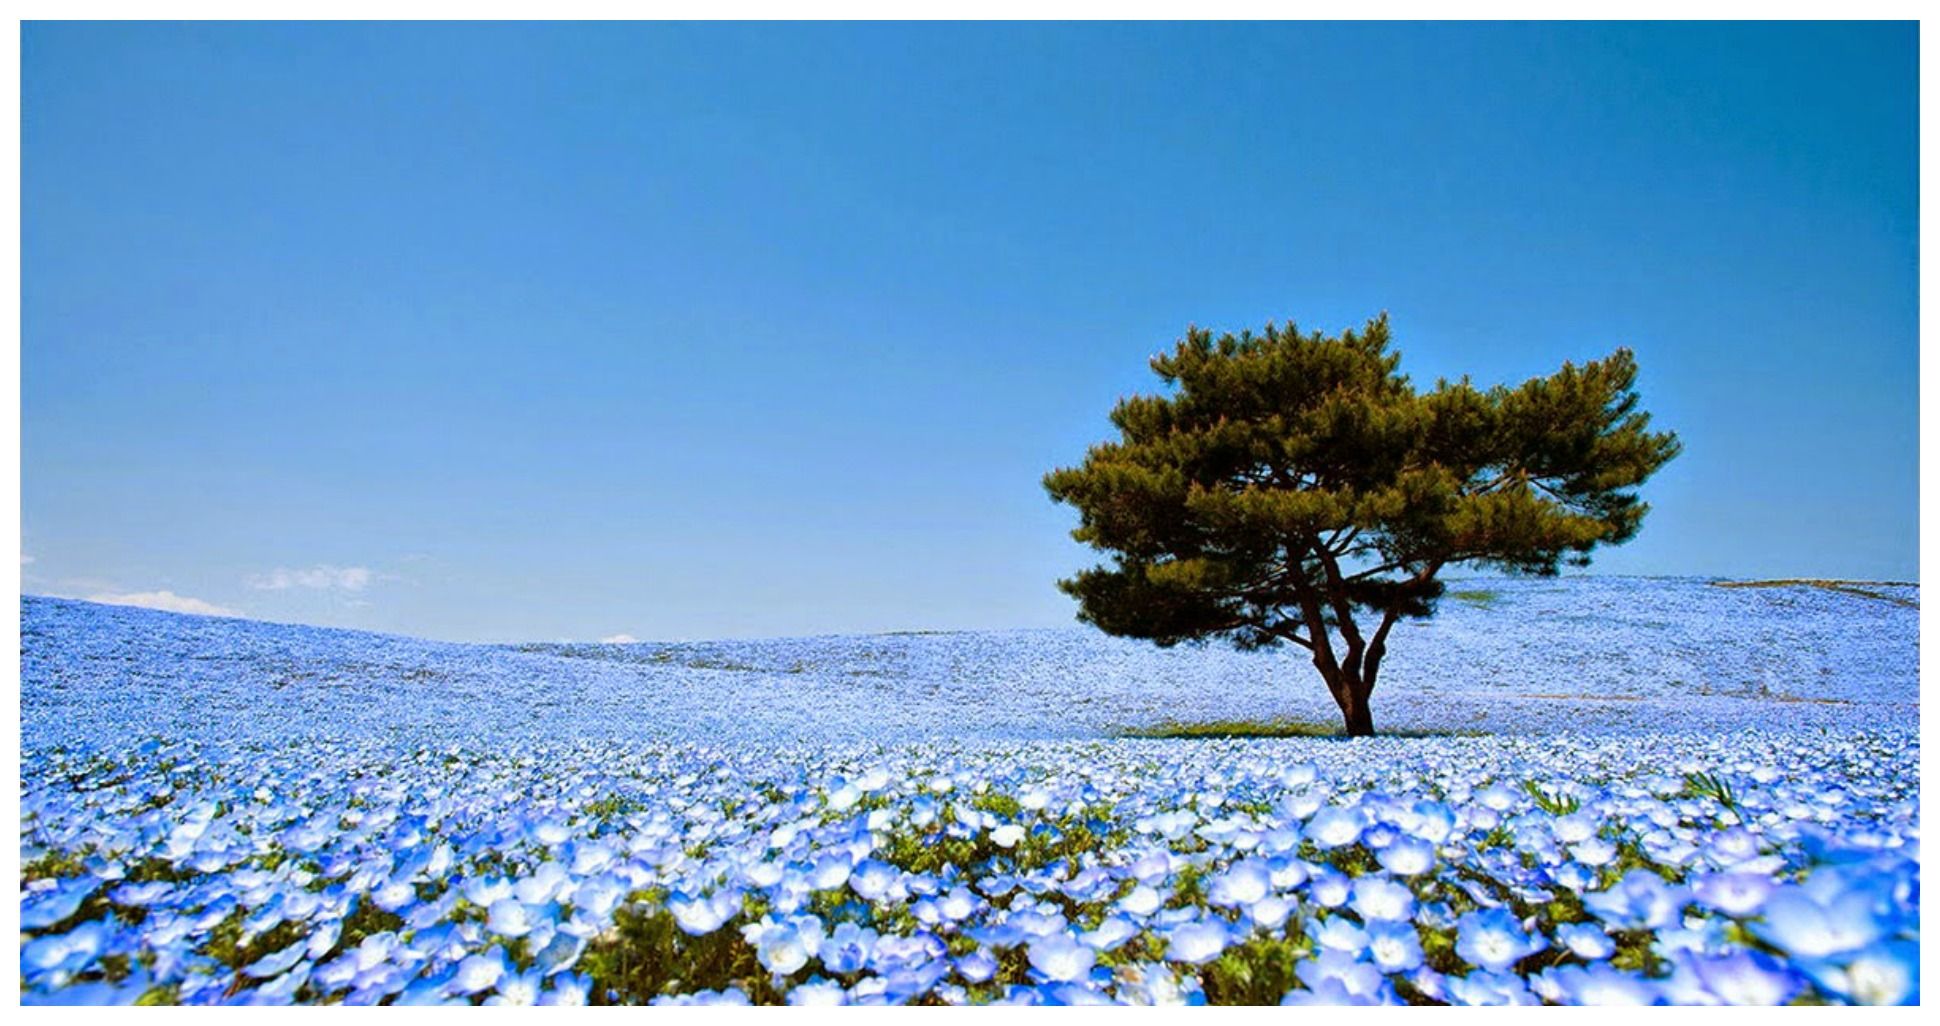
<point>1297,488</point>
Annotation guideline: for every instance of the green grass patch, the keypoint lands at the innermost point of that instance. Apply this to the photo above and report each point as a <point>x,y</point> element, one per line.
<point>1863,589</point>
<point>1480,598</point>
<point>1213,730</point>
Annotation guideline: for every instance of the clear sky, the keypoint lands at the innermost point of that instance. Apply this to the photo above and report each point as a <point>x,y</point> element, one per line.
<point>532,332</point>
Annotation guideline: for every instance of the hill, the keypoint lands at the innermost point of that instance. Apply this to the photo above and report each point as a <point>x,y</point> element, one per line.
<point>1503,656</point>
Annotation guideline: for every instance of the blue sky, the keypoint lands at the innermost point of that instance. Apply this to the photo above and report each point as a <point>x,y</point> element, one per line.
<point>529,332</point>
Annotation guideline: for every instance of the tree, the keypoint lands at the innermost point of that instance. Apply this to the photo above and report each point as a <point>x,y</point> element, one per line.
<point>1297,488</point>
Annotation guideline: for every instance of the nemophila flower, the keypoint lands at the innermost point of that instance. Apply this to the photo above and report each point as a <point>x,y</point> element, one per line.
<point>1197,942</point>
<point>697,916</point>
<point>1487,988</point>
<point>1338,977</point>
<point>1739,978</point>
<point>975,967</point>
<point>1381,898</point>
<point>1886,973</point>
<point>49,907</point>
<point>1806,927</point>
<point>1007,836</point>
<point>1641,900</point>
<point>1574,828</point>
<point>1329,887</point>
<point>1242,883</point>
<point>509,917</point>
<point>1493,940</point>
<point>1333,827</point>
<point>484,891</point>
<point>1597,984</point>
<point>142,895</point>
<point>830,872</point>
<point>1586,940</point>
<point>1497,797</point>
<point>1269,912</point>
<point>517,989</point>
<point>958,904</point>
<point>1034,923</point>
<point>1733,846</point>
<point>1379,834</point>
<point>1394,946</point>
<point>69,952</point>
<point>1338,933</point>
<point>478,972</point>
<point>1112,932</point>
<point>818,993</point>
<point>785,946</point>
<point>1407,856</point>
<point>1060,958</point>
<point>599,895</point>
<point>872,879</point>
<point>847,948</point>
<point>1141,901</point>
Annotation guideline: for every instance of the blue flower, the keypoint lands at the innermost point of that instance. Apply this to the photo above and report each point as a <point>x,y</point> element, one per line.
<point>1639,901</point>
<point>46,908</point>
<point>1486,988</point>
<point>1885,973</point>
<point>1734,894</point>
<point>1394,946</point>
<point>1197,942</point>
<point>847,948</point>
<point>1586,940</point>
<point>1808,928</point>
<point>1407,856</point>
<point>1599,984</point>
<point>1493,940</point>
<point>1337,977</point>
<point>1061,959</point>
<point>1744,978</point>
<point>1381,898</point>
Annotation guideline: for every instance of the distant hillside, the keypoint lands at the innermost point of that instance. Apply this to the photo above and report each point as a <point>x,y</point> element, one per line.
<point>1616,654</point>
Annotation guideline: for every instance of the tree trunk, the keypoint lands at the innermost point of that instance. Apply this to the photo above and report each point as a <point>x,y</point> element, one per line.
<point>1354,707</point>
<point>1351,694</point>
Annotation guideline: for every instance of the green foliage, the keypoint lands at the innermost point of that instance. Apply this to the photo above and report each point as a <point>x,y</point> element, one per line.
<point>1555,805</point>
<point>367,919</point>
<point>1480,598</point>
<point>1243,729</point>
<point>1291,482</point>
<point>54,865</point>
<point>1256,971</point>
<point>1708,785</point>
<point>1233,729</point>
<point>614,807</point>
<point>935,848</point>
<point>646,955</point>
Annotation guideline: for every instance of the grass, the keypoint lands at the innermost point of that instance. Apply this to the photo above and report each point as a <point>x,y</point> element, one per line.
<point>1863,589</point>
<point>1243,729</point>
<point>1479,598</point>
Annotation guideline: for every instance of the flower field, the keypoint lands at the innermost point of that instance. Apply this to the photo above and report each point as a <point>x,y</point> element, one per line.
<point>1623,792</point>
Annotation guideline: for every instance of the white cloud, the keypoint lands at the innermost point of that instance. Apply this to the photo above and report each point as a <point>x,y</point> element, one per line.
<point>166,600</point>
<point>619,639</point>
<point>321,576</point>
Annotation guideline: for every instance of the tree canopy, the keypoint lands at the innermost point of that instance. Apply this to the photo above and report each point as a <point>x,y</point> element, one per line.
<point>1296,487</point>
